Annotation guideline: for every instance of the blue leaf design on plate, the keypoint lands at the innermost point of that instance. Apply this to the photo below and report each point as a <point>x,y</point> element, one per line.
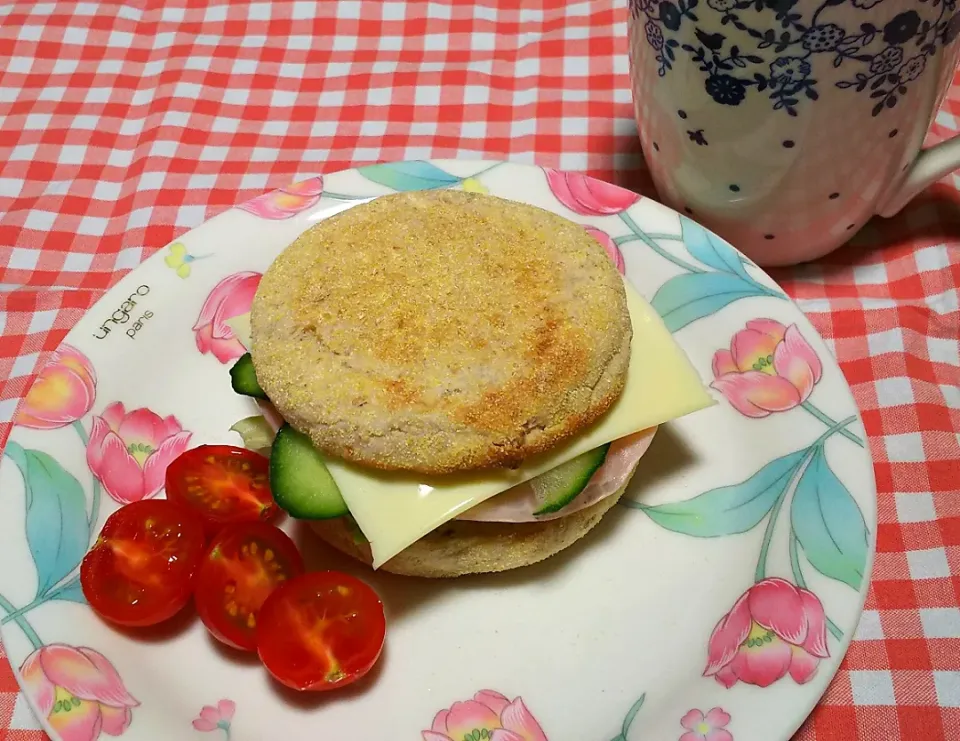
<point>57,529</point>
<point>70,592</point>
<point>403,176</point>
<point>829,525</point>
<point>728,509</point>
<point>686,298</point>
<point>711,250</point>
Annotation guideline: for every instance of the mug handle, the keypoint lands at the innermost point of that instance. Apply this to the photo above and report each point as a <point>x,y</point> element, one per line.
<point>929,166</point>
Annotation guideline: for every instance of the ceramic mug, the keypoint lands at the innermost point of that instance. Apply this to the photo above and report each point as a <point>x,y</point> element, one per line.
<point>784,125</point>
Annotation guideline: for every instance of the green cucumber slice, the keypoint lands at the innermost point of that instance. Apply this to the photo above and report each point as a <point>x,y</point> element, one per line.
<point>243,378</point>
<point>559,486</point>
<point>299,479</point>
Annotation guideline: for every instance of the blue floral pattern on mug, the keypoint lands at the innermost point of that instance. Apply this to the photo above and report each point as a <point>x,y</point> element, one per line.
<point>884,60</point>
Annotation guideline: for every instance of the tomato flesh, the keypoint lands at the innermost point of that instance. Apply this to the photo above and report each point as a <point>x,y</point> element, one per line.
<point>140,571</point>
<point>225,484</point>
<point>244,563</point>
<point>321,631</point>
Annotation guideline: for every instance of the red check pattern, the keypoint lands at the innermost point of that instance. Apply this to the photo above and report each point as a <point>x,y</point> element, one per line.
<point>126,124</point>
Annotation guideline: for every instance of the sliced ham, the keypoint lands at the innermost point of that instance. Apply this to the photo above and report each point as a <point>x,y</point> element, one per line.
<point>518,503</point>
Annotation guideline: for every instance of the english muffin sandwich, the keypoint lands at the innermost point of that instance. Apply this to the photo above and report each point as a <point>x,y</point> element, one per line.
<point>462,384</point>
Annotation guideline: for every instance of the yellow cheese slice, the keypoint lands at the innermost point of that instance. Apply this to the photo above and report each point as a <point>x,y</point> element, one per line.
<point>396,510</point>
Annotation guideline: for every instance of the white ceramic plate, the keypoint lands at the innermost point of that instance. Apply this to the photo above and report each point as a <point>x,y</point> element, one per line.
<point>715,605</point>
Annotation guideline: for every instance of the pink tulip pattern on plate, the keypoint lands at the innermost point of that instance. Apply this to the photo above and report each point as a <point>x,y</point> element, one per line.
<point>769,368</point>
<point>774,629</point>
<point>588,196</point>
<point>777,627</point>
<point>63,392</point>
<point>78,692</point>
<point>491,716</point>
<point>287,201</point>
<point>129,452</point>
<point>230,298</point>
<point>216,718</point>
<point>488,715</point>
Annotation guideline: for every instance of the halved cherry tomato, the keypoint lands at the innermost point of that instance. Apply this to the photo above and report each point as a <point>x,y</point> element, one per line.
<point>243,565</point>
<point>320,631</point>
<point>224,484</point>
<point>140,571</point>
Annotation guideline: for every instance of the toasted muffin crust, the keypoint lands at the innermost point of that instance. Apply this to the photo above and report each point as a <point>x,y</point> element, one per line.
<point>441,331</point>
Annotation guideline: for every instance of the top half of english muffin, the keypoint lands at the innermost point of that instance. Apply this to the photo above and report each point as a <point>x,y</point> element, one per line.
<point>441,331</point>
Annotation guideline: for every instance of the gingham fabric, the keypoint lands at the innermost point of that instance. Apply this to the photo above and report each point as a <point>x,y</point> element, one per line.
<point>124,124</point>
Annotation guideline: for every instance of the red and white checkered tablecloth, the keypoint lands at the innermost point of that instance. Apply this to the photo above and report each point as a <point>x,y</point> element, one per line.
<point>124,124</point>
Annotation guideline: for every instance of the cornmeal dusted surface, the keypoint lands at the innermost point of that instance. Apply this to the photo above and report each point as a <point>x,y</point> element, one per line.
<point>441,331</point>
